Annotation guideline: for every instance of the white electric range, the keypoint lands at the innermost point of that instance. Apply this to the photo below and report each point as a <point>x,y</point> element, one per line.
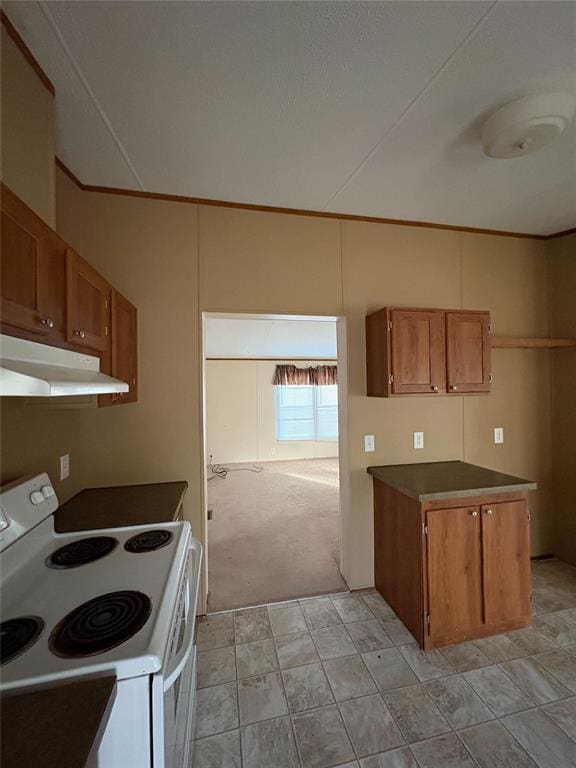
<point>86,603</point>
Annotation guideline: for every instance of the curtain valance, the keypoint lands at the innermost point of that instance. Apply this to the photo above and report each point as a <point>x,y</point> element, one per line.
<point>320,375</point>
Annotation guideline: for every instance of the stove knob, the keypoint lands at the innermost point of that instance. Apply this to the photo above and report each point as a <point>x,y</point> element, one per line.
<point>47,491</point>
<point>36,497</point>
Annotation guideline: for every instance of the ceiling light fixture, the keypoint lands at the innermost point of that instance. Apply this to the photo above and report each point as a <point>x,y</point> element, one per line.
<point>528,124</point>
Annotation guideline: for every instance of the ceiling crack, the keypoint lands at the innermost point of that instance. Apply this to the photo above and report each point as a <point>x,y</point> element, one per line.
<point>413,102</point>
<point>103,116</point>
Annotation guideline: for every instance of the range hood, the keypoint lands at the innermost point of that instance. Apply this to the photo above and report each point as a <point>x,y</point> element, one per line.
<point>37,370</point>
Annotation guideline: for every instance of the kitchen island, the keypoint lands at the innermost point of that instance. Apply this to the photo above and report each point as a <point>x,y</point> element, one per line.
<point>452,549</point>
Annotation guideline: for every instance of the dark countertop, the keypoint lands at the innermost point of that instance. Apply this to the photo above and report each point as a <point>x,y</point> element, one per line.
<point>120,505</point>
<point>55,727</point>
<point>447,480</point>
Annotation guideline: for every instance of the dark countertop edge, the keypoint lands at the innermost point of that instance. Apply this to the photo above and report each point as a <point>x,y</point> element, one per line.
<point>527,486</point>
<point>521,485</point>
<point>132,485</point>
<point>39,752</point>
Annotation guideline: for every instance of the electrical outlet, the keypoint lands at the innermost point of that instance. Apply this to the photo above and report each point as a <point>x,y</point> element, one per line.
<point>64,466</point>
<point>418,439</point>
<point>369,444</point>
<point>498,434</point>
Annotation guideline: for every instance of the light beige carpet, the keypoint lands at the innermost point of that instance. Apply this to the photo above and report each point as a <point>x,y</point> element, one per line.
<point>274,535</point>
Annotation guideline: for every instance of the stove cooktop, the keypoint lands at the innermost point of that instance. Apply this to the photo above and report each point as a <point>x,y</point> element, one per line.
<point>81,604</point>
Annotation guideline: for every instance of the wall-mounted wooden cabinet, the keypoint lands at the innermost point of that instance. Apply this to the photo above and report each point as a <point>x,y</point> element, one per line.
<point>33,275</point>
<point>427,352</point>
<point>87,305</point>
<point>51,295</point>
<point>123,356</point>
<point>468,351</point>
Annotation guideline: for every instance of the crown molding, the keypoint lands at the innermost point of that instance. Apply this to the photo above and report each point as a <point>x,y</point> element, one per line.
<point>292,211</point>
<point>26,52</point>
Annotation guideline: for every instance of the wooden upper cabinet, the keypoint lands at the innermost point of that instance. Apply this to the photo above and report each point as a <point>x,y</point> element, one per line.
<point>506,561</point>
<point>33,274</point>
<point>417,351</point>
<point>427,352</point>
<point>454,558</point>
<point>468,351</point>
<point>123,358</point>
<point>405,352</point>
<point>88,304</point>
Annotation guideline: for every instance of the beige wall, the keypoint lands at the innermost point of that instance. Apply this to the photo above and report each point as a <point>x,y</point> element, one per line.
<point>562,254</point>
<point>32,438</point>
<point>391,265</point>
<point>241,415</point>
<point>27,153</point>
<point>260,262</point>
<point>148,251</point>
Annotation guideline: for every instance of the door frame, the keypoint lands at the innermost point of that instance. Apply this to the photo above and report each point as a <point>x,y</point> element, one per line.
<point>343,460</point>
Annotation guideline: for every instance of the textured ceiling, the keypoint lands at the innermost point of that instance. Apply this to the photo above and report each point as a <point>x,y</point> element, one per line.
<point>369,108</point>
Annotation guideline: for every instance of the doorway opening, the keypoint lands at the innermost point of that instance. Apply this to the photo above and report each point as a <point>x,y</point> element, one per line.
<point>274,420</point>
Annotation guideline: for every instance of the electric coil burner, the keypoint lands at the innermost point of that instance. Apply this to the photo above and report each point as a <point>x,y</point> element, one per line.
<point>100,624</point>
<point>81,552</point>
<point>16,635</point>
<point>148,541</point>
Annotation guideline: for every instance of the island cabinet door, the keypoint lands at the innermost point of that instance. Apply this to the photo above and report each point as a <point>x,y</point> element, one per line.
<point>454,571</point>
<point>506,561</point>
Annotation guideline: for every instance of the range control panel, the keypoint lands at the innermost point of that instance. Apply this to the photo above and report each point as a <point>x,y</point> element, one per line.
<point>24,504</point>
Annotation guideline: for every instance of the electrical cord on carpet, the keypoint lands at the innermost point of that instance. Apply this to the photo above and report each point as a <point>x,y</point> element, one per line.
<point>222,471</point>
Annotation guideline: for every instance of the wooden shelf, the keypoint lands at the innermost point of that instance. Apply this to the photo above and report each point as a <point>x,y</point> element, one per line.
<point>530,343</point>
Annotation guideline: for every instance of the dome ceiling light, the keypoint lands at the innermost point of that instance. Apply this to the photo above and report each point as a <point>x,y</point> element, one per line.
<point>527,125</point>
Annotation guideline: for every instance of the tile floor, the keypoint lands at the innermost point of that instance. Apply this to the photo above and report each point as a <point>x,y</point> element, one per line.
<point>338,681</point>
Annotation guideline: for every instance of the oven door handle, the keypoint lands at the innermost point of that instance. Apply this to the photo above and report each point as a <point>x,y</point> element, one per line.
<point>181,658</point>
<point>179,662</point>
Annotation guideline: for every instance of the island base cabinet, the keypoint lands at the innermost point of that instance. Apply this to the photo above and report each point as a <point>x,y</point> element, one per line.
<point>453,570</point>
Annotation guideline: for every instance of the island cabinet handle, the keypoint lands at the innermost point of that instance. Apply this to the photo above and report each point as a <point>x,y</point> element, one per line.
<point>474,513</point>
<point>488,511</point>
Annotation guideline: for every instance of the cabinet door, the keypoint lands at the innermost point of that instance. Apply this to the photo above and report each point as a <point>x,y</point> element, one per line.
<point>33,274</point>
<point>418,351</point>
<point>506,559</point>
<point>123,351</point>
<point>88,296</point>
<point>454,561</point>
<point>468,351</point>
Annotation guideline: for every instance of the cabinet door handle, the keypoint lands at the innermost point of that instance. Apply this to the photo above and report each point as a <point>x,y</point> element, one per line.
<point>47,321</point>
<point>474,513</point>
<point>81,334</point>
<point>434,389</point>
<point>453,388</point>
<point>488,511</point>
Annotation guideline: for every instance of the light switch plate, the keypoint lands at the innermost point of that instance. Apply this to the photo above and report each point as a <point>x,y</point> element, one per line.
<point>65,466</point>
<point>498,434</point>
<point>369,444</point>
<point>418,439</point>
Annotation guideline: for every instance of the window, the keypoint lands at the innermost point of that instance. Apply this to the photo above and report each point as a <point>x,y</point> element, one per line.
<point>307,412</point>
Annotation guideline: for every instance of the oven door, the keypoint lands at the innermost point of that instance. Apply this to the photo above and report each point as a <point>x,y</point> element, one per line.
<point>179,674</point>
